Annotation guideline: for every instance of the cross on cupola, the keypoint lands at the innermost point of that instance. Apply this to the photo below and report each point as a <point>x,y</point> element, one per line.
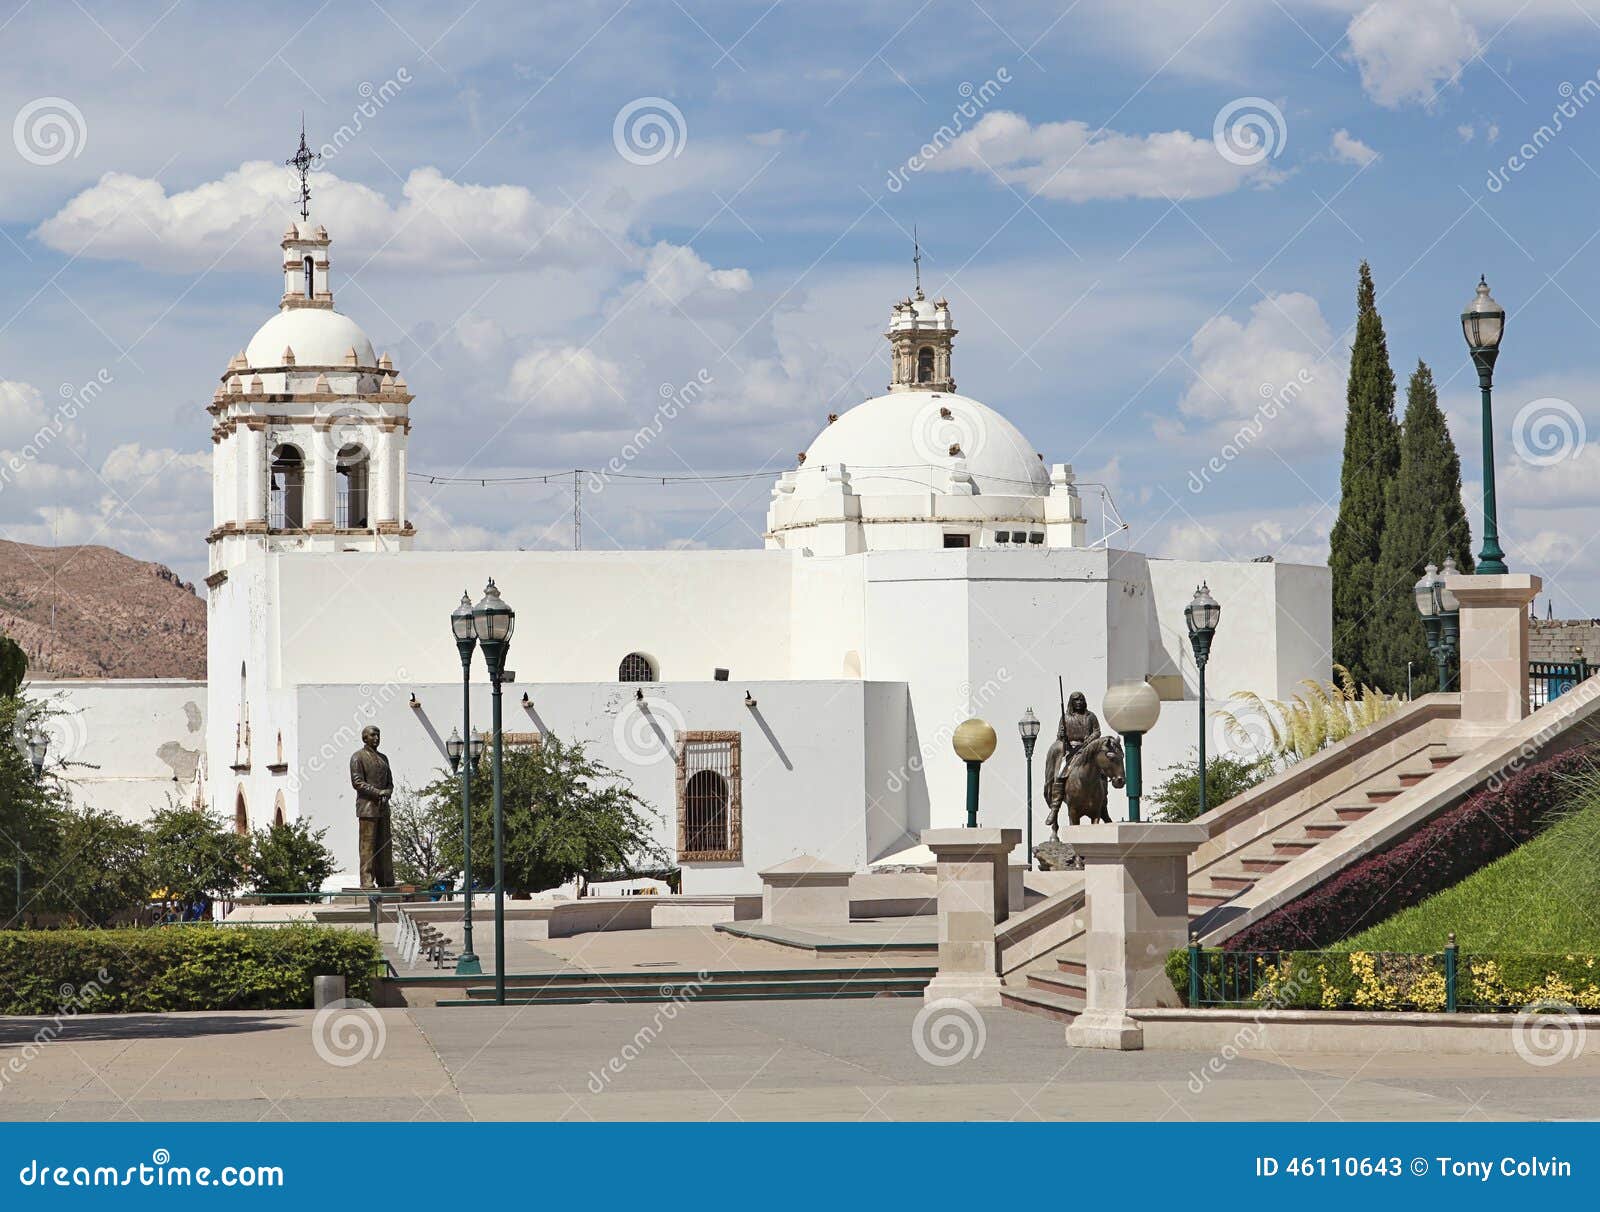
<point>305,248</point>
<point>303,161</point>
<point>920,335</point>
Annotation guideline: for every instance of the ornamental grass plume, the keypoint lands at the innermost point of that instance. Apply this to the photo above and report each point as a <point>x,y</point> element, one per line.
<point>1325,714</point>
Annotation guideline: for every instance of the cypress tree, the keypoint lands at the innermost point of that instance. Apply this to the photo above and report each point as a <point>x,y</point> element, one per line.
<point>1426,522</point>
<point>1371,460</point>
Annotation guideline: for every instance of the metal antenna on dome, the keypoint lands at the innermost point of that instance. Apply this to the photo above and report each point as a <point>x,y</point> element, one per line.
<point>302,162</point>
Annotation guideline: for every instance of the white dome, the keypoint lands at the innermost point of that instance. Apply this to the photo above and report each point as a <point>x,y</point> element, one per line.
<point>900,443</point>
<point>318,336</point>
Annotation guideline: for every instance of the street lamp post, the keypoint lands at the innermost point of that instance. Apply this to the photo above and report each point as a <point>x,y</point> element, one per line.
<point>1028,729</point>
<point>461,626</point>
<point>1132,709</point>
<point>1441,616</point>
<point>1201,616</point>
<point>1483,324</point>
<point>974,742</point>
<point>493,622</point>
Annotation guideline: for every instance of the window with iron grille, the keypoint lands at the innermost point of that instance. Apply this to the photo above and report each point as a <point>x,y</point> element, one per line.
<point>710,809</point>
<point>636,667</point>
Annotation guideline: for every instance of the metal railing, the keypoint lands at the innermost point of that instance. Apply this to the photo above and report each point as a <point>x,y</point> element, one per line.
<point>1549,680</point>
<point>1328,980</point>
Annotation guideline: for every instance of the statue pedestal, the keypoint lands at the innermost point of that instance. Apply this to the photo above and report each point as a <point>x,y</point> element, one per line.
<point>1136,891</point>
<point>974,895</point>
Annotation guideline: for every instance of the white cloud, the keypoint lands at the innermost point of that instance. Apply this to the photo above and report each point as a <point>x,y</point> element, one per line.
<point>236,221</point>
<point>1265,384</point>
<point>1466,132</point>
<point>1348,148</point>
<point>574,387</point>
<point>1071,162</point>
<point>1408,50</point>
<point>1295,536</point>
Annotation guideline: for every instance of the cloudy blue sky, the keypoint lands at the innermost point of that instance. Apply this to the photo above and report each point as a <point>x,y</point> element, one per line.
<point>1147,219</point>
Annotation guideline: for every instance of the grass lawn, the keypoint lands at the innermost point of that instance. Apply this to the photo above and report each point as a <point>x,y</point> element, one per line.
<point>1542,897</point>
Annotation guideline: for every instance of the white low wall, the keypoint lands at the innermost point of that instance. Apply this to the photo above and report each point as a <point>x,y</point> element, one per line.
<point>1236,1032</point>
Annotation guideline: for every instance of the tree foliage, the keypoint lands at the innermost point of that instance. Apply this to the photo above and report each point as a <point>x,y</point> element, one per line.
<point>565,815</point>
<point>1371,462</point>
<point>194,855</point>
<point>102,876</point>
<point>1178,798</point>
<point>288,857</point>
<point>13,667</point>
<point>418,824</point>
<point>1426,522</point>
<point>32,816</point>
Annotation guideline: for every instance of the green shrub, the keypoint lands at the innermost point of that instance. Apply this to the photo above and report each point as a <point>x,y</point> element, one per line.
<point>289,857</point>
<point>1178,798</point>
<point>179,968</point>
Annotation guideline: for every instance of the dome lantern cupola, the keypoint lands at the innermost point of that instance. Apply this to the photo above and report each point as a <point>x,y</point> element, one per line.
<point>920,335</point>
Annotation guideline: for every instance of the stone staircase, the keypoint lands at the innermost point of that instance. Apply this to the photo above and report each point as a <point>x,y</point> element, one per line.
<point>796,984</point>
<point>1238,856</point>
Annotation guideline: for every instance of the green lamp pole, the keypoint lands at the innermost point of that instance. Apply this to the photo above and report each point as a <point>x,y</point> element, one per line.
<point>1201,616</point>
<point>1028,730</point>
<point>1132,709</point>
<point>974,742</point>
<point>461,626</point>
<point>493,622</point>
<point>1483,324</point>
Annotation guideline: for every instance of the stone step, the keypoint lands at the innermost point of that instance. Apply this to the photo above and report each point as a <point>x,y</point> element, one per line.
<point>1035,1001</point>
<point>1353,812</point>
<point>754,986</point>
<point>1440,760</point>
<point>1292,848</point>
<point>1069,987</point>
<point>1208,899</point>
<point>1411,780</point>
<point>1264,865</point>
<point>1237,883</point>
<point>1382,795</point>
<point>1073,967</point>
<point>1322,831</point>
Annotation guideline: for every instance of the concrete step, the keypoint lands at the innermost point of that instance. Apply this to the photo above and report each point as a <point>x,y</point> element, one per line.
<point>1322,831</point>
<point>1292,848</point>
<point>1207,900</point>
<point>1440,760</point>
<point>1263,865</point>
<point>1382,795</point>
<point>1073,967</point>
<point>1062,986</point>
<point>1411,780</point>
<point>786,995</point>
<point>1353,812</point>
<point>1035,1001</point>
<point>1235,883</point>
<point>754,985</point>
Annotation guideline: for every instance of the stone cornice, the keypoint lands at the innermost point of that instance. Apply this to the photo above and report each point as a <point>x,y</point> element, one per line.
<point>230,530</point>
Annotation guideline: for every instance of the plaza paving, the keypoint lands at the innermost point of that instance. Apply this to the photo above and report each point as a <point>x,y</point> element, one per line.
<point>723,1061</point>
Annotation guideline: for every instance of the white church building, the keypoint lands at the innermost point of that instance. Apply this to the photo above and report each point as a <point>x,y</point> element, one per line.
<point>922,564</point>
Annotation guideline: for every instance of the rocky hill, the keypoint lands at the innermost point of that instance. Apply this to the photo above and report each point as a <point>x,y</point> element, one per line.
<point>91,612</point>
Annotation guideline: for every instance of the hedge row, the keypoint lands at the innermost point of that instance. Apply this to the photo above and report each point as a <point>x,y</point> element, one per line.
<point>179,968</point>
<point>1443,851</point>
<point>1378,980</point>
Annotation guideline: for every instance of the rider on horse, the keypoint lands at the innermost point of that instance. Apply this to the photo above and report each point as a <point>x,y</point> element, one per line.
<point>1078,727</point>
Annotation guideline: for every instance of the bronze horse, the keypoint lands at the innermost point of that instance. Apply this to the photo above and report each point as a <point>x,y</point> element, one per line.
<point>1091,766</point>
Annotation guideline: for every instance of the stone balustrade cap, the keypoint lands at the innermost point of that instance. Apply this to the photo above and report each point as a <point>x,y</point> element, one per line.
<point>1134,839</point>
<point>970,841</point>
<point>806,864</point>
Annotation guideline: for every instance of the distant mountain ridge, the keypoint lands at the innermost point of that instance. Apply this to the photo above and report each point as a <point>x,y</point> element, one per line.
<point>92,612</point>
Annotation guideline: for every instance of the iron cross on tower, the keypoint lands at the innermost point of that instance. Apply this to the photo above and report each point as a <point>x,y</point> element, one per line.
<point>916,255</point>
<point>302,162</point>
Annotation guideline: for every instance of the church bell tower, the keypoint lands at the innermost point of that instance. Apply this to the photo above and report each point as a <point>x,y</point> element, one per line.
<point>920,335</point>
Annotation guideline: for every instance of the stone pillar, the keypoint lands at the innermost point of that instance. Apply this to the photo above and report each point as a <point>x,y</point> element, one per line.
<point>380,479</point>
<point>807,892</point>
<point>1494,649</point>
<point>253,476</point>
<point>1136,891</point>
<point>971,867</point>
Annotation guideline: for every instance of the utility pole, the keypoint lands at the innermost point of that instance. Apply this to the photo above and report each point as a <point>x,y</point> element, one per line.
<point>577,509</point>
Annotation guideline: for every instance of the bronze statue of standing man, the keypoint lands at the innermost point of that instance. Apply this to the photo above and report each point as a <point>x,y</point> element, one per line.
<point>369,775</point>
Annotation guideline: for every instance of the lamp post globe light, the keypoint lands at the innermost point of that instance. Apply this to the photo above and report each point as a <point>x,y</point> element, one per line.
<point>1483,324</point>
<point>1132,709</point>
<point>1028,730</point>
<point>493,622</point>
<point>1201,616</point>
<point>973,742</point>
<point>466,636</point>
<point>1441,616</point>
